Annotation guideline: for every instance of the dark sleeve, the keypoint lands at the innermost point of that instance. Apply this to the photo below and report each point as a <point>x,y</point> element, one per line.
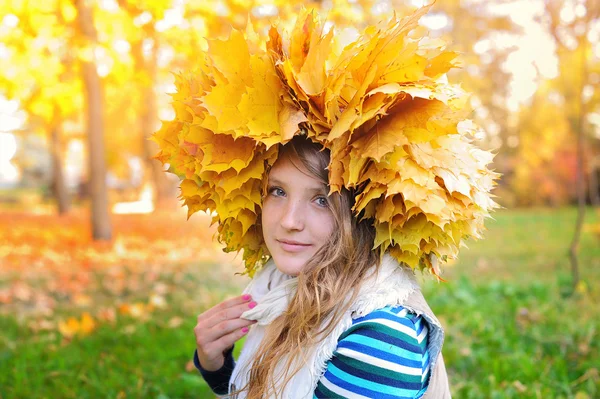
<point>217,380</point>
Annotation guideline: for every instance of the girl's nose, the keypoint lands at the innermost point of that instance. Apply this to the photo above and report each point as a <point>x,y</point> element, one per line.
<point>293,216</point>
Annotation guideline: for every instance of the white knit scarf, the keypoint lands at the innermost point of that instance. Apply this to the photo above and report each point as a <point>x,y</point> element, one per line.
<point>273,290</point>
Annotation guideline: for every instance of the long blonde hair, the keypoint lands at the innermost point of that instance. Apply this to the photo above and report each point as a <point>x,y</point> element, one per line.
<point>328,278</point>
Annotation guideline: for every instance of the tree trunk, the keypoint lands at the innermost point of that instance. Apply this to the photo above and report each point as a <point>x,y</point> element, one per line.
<point>59,188</point>
<point>579,129</point>
<point>577,123</point>
<point>574,248</point>
<point>161,186</point>
<point>594,181</point>
<point>101,224</point>
<point>148,123</point>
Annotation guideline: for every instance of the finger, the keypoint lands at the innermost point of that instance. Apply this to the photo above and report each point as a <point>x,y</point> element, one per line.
<point>224,328</point>
<point>231,313</point>
<point>226,341</point>
<point>225,305</point>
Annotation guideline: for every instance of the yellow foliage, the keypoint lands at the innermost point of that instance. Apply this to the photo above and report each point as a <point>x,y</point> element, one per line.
<point>74,326</point>
<point>381,104</point>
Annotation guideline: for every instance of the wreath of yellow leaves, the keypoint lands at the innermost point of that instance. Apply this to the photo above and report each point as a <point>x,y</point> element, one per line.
<point>396,130</point>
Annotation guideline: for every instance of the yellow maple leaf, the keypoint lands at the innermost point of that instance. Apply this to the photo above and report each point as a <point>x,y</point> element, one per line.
<point>313,76</point>
<point>224,153</point>
<point>231,57</point>
<point>222,103</point>
<point>261,104</point>
<point>289,119</point>
<point>87,324</point>
<point>440,64</point>
<point>69,328</point>
<point>74,326</point>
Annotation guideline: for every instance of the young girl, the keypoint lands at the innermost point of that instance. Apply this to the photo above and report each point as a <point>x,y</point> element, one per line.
<point>345,323</point>
<point>338,169</point>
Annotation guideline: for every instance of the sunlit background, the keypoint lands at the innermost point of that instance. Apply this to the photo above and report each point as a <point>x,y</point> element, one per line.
<point>74,276</point>
<point>522,60</point>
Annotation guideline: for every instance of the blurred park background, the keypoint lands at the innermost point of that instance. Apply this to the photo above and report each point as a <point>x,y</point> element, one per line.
<point>102,277</point>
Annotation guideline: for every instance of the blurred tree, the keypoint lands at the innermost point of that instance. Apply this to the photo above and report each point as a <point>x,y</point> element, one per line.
<point>595,181</point>
<point>42,74</point>
<point>545,154</point>
<point>482,72</point>
<point>101,224</point>
<point>123,94</point>
<point>569,22</point>
<point>138,43</point>
<point>145,42</point>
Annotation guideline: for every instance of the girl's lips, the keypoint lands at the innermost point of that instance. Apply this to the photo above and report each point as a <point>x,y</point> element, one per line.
<point>293,247</point>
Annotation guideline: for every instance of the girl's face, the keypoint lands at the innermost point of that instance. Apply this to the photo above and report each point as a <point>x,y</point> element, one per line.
<point>296,217</point>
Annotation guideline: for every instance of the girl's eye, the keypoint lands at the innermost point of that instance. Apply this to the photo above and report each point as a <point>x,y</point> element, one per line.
<point>276,191</point>
<point>322,201</point>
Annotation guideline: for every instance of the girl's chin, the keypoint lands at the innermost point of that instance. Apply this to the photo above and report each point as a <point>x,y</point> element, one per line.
<point>289,265</point>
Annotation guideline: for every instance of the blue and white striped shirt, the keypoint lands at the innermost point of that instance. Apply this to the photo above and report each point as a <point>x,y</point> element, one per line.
<point>382,355</point>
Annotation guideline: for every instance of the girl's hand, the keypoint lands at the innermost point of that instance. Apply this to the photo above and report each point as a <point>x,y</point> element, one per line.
<point>219,328</point>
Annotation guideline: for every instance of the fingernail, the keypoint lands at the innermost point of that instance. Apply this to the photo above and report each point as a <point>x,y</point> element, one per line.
<point>245,330</point>
<point>251,305</point>
<point>245,297</point>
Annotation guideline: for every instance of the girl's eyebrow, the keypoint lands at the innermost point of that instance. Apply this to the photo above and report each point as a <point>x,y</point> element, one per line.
<point>321,189</point>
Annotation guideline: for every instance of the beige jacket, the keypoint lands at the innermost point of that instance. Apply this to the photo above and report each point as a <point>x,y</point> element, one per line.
<point>438,383</point>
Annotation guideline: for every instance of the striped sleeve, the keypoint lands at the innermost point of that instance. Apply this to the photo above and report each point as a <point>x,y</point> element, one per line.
<point>382,355</point>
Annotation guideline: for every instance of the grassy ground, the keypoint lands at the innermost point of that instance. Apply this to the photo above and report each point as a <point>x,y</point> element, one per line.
<point>511,331</point>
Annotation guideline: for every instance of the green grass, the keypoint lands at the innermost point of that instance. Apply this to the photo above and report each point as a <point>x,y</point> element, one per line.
<point>509,341</point>
<point>129,359</point>
<point>147,362</point>
<point>511,332</point>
